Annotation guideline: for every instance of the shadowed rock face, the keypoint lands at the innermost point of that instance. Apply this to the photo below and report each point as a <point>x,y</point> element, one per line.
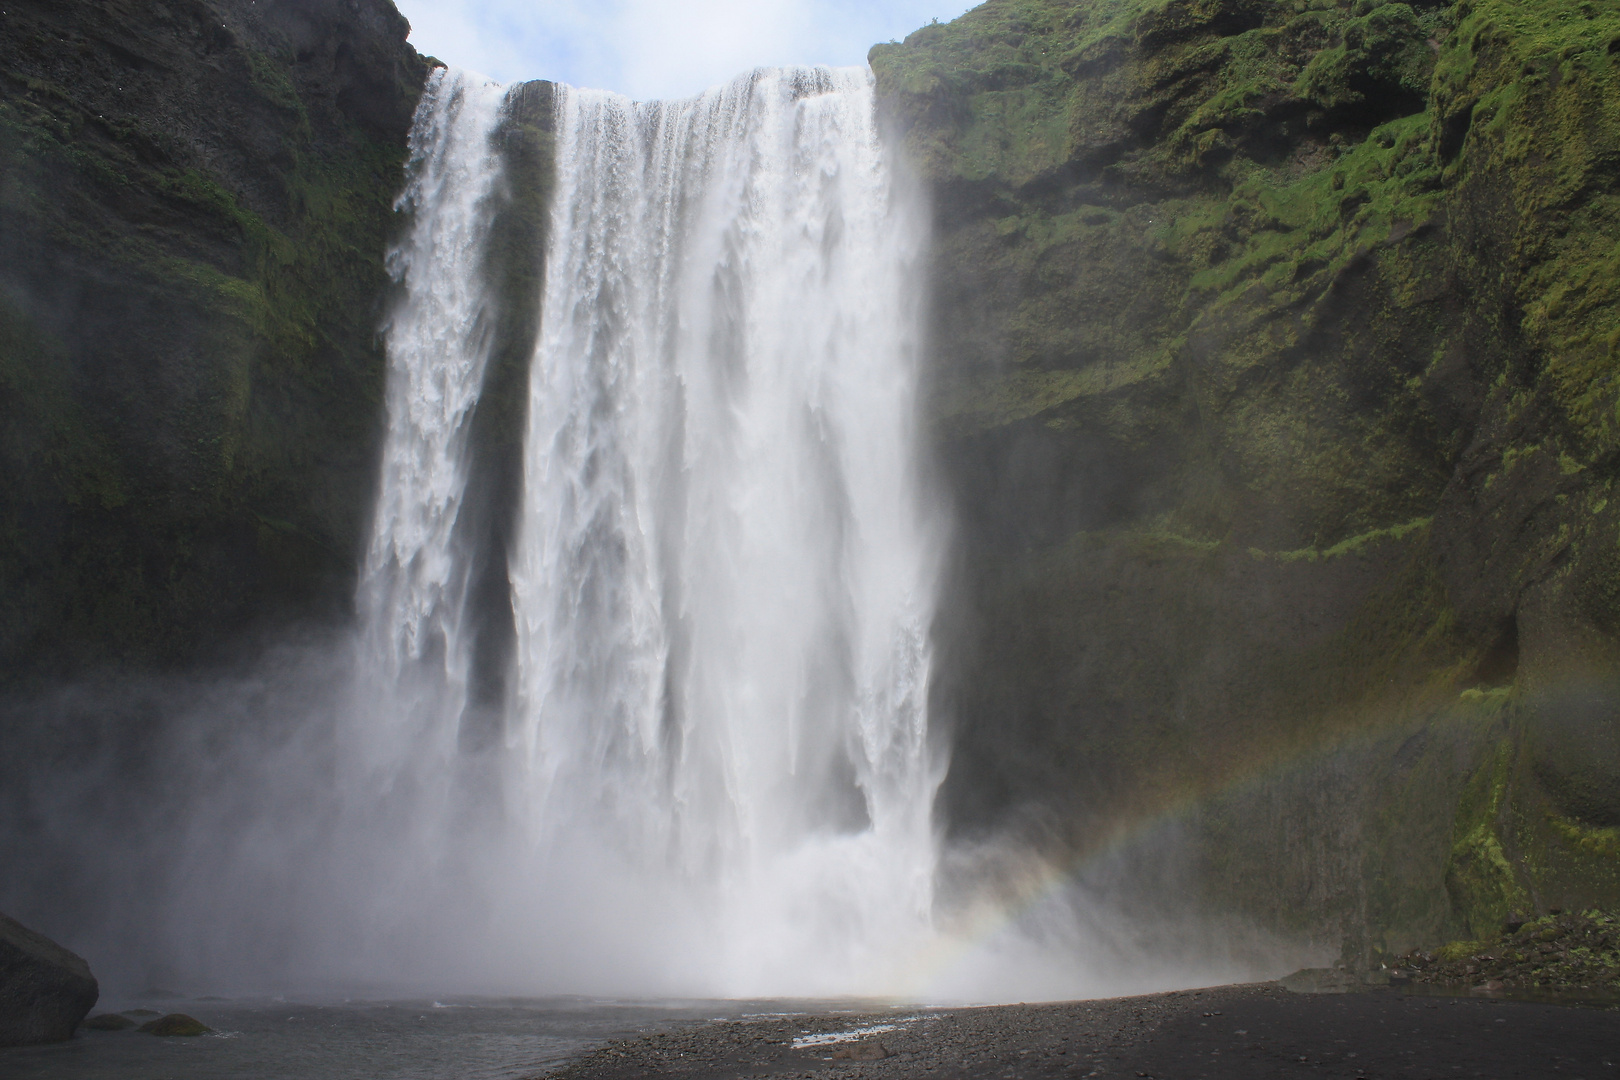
<point>196,198</point>
<point>44,989</point>
<point>1274,364</point>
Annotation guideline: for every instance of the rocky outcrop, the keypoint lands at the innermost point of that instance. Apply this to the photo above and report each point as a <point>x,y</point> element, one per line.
<point>44,989</point>
<point>1274,355</point>
<point>196,199</point>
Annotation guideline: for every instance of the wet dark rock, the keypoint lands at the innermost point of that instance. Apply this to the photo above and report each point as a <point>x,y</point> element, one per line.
<point>45,990</point>
<point>193,283</point>
<point>175,1024</point>
<point>109,1022</point>
<point>1577,748</point>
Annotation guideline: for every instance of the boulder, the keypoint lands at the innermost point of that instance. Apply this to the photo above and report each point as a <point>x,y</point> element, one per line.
<point>45,991</point>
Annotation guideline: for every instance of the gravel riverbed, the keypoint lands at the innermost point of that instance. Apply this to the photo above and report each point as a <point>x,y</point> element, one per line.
<point>1248,1032</point>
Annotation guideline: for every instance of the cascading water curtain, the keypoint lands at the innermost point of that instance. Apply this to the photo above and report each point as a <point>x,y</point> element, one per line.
<point>717,774</point>
<point>413,581</point>
<point>726,570</point>
<point>396,838</point>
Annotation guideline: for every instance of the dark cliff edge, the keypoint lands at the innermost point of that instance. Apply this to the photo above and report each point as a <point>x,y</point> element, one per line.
<point>196,199</point>
<point>1273,380</point>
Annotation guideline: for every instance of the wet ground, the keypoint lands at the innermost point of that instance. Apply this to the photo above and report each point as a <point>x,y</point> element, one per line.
<point>462,1039</point>
<point>1231,1033</point>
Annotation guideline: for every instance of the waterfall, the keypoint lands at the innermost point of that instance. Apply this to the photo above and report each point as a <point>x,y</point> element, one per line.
<point>716,772</point>
<point>413,585</point>
<point>725,574</point>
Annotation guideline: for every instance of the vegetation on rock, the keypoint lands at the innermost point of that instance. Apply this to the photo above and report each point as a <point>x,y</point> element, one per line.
<point>1558,952</point>
<point>195,198</point>
<point>1275,346</point>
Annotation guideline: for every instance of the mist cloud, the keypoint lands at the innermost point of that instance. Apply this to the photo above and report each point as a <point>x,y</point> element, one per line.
<point>655,48</point>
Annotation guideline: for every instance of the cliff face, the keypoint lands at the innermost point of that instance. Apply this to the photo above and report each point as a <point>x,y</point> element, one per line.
<point>196,198</point>
<point>1274,353</point>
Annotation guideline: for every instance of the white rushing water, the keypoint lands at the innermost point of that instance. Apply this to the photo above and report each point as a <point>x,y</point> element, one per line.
<point>413,585</point>
<point>717,773</point>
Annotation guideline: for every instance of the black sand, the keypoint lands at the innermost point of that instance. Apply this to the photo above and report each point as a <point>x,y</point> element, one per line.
<point>1240,1032</point>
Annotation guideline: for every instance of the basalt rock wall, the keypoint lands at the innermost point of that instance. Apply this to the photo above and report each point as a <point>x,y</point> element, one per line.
<point>196,201</point>
<point>1273,359</point>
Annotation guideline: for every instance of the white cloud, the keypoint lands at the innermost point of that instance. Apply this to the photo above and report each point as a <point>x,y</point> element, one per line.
<point>657,48</point>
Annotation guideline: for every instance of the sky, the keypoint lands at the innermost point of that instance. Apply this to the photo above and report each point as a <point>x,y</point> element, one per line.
<point>657,48</point>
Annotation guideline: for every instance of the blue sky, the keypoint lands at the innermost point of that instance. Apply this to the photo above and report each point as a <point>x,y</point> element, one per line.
<point>657,48</point>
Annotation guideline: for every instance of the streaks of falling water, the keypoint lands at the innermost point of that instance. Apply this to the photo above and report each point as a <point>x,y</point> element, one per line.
<point>717,775</point>
<point>726,569</point>
<point>412,591</point>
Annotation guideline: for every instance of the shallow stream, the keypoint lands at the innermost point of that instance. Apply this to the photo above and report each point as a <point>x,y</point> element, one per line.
<point>451,1039</point>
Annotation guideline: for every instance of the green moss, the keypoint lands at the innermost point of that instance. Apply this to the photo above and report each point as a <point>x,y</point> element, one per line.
<point>1381,56</point>
<point>1277,343</point>
<point>270,78</point>
<point>1460,950</point>
<point>1569,951</point>
<point>193,449</point>
<point>1481,877</point>
<point>1353,545</point>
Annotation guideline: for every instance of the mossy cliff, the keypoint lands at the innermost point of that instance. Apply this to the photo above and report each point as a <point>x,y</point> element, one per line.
<point>196,198</point>
<point>1273,373</point>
